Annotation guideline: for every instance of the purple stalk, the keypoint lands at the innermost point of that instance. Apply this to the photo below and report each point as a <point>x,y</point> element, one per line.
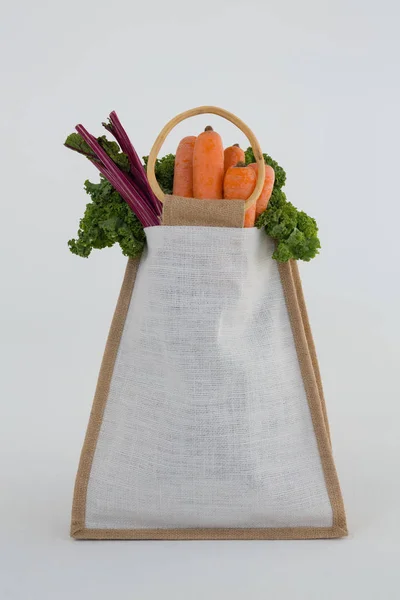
<point>122,138</point>
<point>114,182</point>
<point>135,174</point>
<point>143,210</point>
<point>126,146</point>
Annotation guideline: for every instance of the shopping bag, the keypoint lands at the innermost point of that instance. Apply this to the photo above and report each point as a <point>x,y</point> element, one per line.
<point>209,419</point>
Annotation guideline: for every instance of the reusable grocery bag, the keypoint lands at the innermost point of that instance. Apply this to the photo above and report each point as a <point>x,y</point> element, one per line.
<point>209,418</point>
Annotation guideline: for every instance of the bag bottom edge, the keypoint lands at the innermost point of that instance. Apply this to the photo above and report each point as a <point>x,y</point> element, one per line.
<point>281,533</point>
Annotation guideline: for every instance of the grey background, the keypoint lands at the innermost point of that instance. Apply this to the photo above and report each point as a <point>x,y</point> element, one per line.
<point>318,82</point>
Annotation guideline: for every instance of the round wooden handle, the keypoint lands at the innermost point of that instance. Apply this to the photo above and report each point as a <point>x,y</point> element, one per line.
<point>201,110</point>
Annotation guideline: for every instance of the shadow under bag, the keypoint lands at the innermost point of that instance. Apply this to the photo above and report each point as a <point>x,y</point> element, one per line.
<point>209,419</point>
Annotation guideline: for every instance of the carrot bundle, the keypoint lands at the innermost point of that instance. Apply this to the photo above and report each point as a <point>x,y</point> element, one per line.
<point>204,170</point>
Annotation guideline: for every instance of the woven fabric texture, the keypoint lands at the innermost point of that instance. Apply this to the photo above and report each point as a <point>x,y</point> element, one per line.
<point>207,422</point>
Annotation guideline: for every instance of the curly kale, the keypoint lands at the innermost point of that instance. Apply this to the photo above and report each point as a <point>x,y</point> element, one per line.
<point>280,175</point>
<point>107,220</point>
<point>295,232</point>
<point>164,171</point>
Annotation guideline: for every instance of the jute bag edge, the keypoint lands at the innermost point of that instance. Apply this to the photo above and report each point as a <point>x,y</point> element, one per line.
<point>284,533</point>
<point>310,340</point>
<point>309,367</point>
<point>101,395</point>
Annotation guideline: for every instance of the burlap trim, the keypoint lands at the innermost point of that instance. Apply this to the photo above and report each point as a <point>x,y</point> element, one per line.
<point>306,354</point>
<point>287,533</point>
<point>213,213</point>
<point>310,340</point>
<point>100,397</point>
<point>312,382</point>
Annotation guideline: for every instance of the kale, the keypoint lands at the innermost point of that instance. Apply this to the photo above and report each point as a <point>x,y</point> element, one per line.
<point>114,152</point>
<point>164,171</point>
<point>295,233</point>
<point>107,220</point>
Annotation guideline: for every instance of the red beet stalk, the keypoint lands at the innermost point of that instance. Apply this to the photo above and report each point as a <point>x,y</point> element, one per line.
<point>138,172</point>
<point>129,187</point>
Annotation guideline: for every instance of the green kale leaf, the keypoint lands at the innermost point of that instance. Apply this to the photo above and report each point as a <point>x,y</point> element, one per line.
<point>107,220</point>
<point>114,152</point>
<point>295,233</point>
<point>75,142</point>
<point>164,171</point>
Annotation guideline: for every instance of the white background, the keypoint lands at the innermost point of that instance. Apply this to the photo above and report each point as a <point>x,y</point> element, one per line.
<point>318,81</point>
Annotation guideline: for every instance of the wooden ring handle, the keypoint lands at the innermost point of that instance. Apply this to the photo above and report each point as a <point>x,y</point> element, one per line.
<point>201,110</point>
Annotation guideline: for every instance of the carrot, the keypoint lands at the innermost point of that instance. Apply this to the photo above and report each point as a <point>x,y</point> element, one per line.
<point>239,182</point>
<point>263,199</point>
<point>233,155</point>
<point>183,169</point>
<point>208,165</point>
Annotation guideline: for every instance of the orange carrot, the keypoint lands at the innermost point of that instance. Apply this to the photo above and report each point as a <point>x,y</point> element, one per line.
<point>208,165</point>
<point>239,182</point>
<point>263,199</point>
<point>183,170</point>
<point>232,155</point>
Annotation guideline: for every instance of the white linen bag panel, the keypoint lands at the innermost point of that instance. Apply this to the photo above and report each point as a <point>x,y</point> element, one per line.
<point>207,422</point>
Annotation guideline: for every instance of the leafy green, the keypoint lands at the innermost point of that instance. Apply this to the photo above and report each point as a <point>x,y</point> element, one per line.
<point>107,220</point>
<point>295,232</point>
<point>164,171</point>
<point>114,152</point>
<point>75,142</point>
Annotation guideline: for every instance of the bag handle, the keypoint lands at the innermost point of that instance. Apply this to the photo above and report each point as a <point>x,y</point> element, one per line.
<point>201,110</point>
